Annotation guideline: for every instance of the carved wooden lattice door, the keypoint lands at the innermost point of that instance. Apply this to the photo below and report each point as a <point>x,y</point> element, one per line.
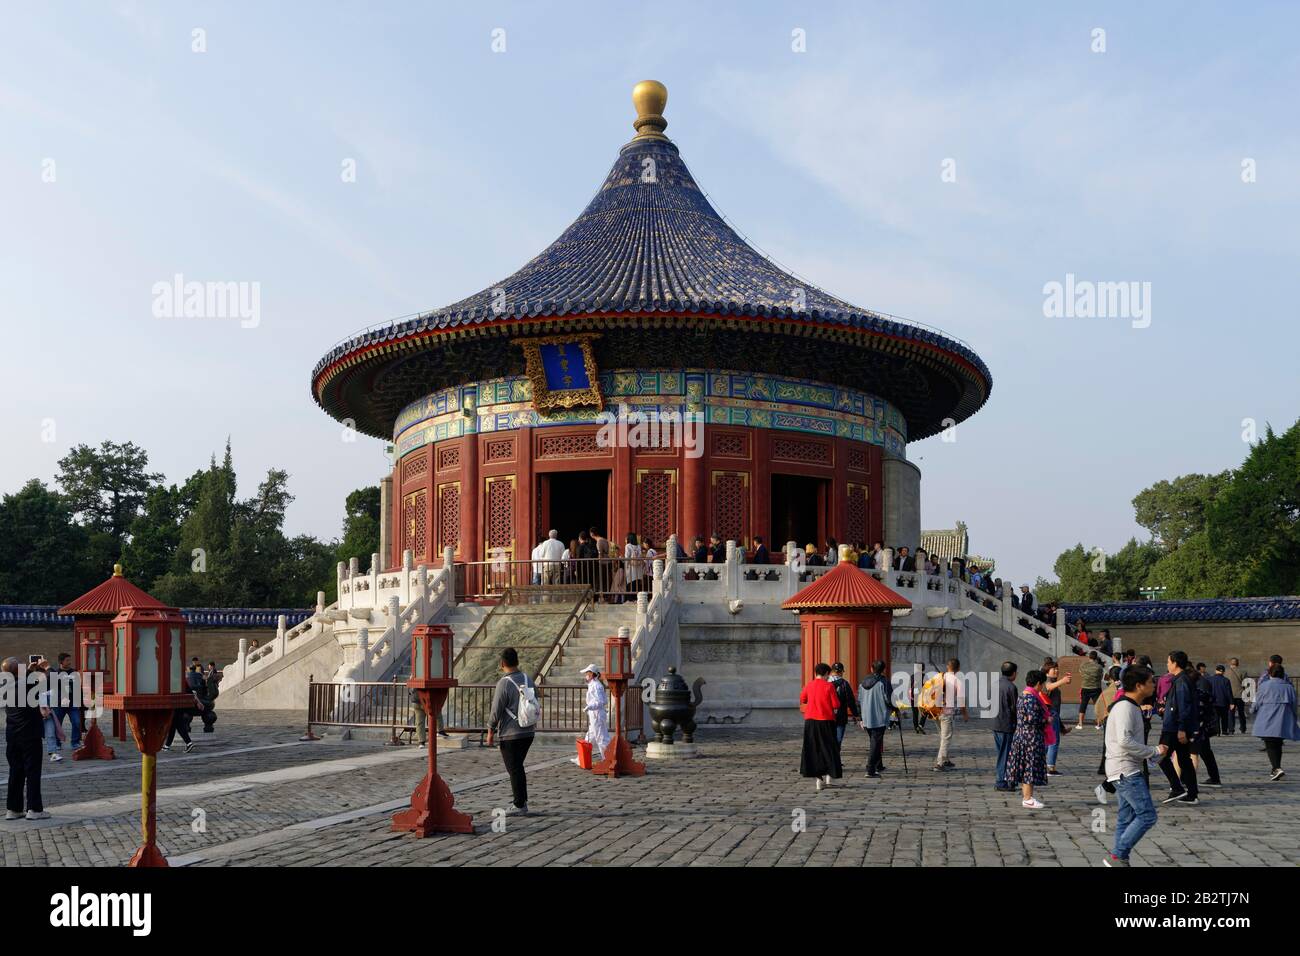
<point>656,503</point>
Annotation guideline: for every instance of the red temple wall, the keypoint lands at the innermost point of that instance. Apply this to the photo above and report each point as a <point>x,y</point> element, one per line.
<point>479,491</point>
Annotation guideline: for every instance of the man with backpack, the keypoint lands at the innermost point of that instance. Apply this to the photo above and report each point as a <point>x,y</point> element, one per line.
<point>514,718</point>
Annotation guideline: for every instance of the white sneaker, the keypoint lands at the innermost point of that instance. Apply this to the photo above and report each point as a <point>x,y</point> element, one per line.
<point>37,815</point>
<point>189,747</point>
<point>55,757</point>
<point>1033,803</point>
<point>11,815</point>
<point>1100,791</point>
<point>819,784</point>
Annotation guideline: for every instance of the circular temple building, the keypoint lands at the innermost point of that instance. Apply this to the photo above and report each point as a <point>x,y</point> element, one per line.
<point>648,372</point>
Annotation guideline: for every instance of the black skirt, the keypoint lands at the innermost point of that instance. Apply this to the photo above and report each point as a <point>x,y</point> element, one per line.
<point>821,752</point>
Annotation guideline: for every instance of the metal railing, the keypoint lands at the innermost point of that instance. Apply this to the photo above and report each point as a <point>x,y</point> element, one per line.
<point>390,705</point>
<point>608,578</point>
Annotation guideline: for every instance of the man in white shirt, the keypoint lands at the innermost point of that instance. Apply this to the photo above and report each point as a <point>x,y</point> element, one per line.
<point>954,700</point>
<point>551,552</point>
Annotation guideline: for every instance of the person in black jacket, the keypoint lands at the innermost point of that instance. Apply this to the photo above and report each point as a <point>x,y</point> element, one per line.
<point>718,554</point>
<point>760,552</point>
<point>848,702</point>
<point>1209,727</point>
<point>1004,721</point>
<point>701,555</point>
<point>24,736</point>
<point>1178,732</point>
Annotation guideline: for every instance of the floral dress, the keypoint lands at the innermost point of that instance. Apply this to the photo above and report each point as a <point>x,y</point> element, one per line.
<point>1027,760</point>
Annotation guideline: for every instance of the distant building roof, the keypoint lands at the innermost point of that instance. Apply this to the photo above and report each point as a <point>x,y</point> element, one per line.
<point>948,544</point>
<point>1163,612</point>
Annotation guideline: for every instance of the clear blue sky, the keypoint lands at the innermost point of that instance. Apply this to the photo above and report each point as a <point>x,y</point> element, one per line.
<point>225,166</point>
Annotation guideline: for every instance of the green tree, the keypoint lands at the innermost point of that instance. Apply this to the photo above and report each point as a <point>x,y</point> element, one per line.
<point>1092,576</point>
<point>107,487</point>
<point>1255,521</point>
<point>1194,571</point>
<point>1174,511</point>
<point>43,552</point>
<point>360,525</point>
<point>155,537</point>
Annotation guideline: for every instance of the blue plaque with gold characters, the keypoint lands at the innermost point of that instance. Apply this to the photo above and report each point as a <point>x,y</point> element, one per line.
<point>562,371</point>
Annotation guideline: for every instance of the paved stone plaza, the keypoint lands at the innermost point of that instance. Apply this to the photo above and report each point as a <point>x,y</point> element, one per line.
<point>252,794</point>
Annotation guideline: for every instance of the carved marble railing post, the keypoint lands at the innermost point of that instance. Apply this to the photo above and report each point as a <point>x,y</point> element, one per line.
<point>363,653</point>
<point>1008,611</point>
<point>887,559</point>
<point>449,568</point>
<point>338,589</point>
<point>1062,640</point>
<point>320,602</point>
<point>422,576</point>
<point>792,569</point>
<point>374,578</point>
<point>408,564</point>
<point>642,610</point>
<point>731,571</point>
<point>657,575</point>
<point>354,567</point>
<point>281,644</point>
<point>243,658</point>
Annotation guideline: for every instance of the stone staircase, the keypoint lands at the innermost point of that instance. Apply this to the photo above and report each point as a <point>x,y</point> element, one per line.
<point>588,645</point>
<point>464,620</point>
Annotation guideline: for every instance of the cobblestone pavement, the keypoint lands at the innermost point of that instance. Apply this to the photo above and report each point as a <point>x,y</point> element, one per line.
<point>252,794</point>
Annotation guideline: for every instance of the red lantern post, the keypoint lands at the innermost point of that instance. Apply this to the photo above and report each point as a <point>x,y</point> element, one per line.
<point>618,760</point>
<point>94,660</point>
<point>432,807</point>
<point>149,656</point>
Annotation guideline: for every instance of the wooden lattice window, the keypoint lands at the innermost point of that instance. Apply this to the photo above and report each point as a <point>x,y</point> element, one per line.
<point>449,517</point>
<point>500,449</point>
<point>501,514</point>
<point>731,505</point>
<point>857,459</point>
<point>807,452</point>
<point>730,445</point>
<point>449,458</point>
<point>855,529</point>
<point>656,500</point>
<point>415,523</point>
<point>569,446</point>
<point>415,466</point>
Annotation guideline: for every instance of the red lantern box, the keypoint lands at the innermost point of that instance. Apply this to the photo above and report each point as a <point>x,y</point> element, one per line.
<point>149,666</point>
<point>432,808</point>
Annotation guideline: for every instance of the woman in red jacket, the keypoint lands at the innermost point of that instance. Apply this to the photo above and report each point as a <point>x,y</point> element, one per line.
<point>821,753</point>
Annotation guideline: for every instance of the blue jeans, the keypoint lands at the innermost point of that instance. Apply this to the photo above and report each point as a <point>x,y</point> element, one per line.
<point>1003,743</point>
<point>1051,751</point>
<point>74,717</point>
<point>839,732</point>
<point>51,740</point>
<point>1137,814</point>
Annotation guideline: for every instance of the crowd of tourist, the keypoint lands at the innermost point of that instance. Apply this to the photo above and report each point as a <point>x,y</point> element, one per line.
<point>1191,705</point>
<point>47,698</point>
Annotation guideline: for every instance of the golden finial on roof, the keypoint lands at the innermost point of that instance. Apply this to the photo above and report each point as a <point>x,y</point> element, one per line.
<point>650,97</point>
<point>117,570</point>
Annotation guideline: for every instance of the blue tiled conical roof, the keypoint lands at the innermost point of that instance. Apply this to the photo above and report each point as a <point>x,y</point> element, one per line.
<point>650,244</point>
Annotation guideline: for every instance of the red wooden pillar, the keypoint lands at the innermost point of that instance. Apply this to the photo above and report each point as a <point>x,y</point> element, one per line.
<point>471,506</point>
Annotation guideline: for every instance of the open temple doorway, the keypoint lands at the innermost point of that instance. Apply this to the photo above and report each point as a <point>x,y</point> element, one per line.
<point>572,501</point>
<point>798,510</point>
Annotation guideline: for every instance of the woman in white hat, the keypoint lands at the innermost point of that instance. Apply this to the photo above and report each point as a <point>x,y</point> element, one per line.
<point>597,715</point>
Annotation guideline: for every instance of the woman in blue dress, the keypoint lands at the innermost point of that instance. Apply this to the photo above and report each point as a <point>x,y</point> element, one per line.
<point>1027,758</point>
